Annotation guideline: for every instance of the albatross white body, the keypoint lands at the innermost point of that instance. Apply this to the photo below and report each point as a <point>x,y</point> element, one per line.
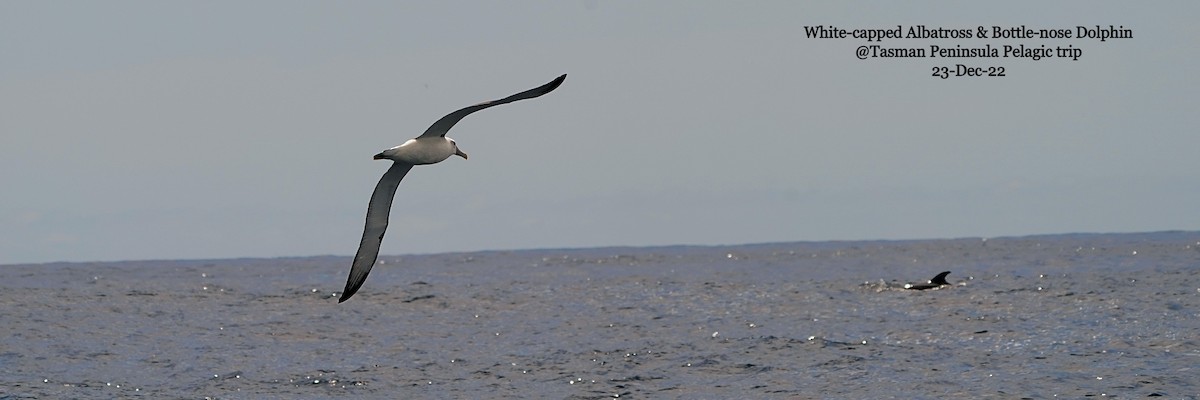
<point>430,148</point>
<point>423,150</point>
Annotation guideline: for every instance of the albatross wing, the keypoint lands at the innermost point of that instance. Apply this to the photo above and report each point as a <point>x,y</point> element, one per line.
<point>377,221</point>
<point>443,125</point>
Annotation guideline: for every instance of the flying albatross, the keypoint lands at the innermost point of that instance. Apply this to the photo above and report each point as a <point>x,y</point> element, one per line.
<point>431,147</point>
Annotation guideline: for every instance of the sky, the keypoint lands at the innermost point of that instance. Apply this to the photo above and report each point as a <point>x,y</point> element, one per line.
<point>134,130</point>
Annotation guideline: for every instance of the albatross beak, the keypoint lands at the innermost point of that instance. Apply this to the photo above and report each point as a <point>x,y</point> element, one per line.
<point>459,153</point>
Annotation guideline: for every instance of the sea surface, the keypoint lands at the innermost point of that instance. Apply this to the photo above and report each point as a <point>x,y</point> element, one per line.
<point>1041,317</point>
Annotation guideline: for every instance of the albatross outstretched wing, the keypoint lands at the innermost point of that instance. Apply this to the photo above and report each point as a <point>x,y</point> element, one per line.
<point>443,125</point>
<point>377,221</point>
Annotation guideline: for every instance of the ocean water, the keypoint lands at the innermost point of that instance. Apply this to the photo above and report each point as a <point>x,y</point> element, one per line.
<point>1063,316</point>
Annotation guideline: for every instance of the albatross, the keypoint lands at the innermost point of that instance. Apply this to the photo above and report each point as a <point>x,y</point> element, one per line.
<point>430,148</point>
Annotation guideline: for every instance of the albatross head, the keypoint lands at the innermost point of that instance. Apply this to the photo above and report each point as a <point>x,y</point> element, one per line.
<point>457,152</point>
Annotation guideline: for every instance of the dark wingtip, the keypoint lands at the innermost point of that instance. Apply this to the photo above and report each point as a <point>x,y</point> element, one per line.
<point>940,279</point>
<point>554,84</point>
<point>350,290</point>
<point>345,296</point>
